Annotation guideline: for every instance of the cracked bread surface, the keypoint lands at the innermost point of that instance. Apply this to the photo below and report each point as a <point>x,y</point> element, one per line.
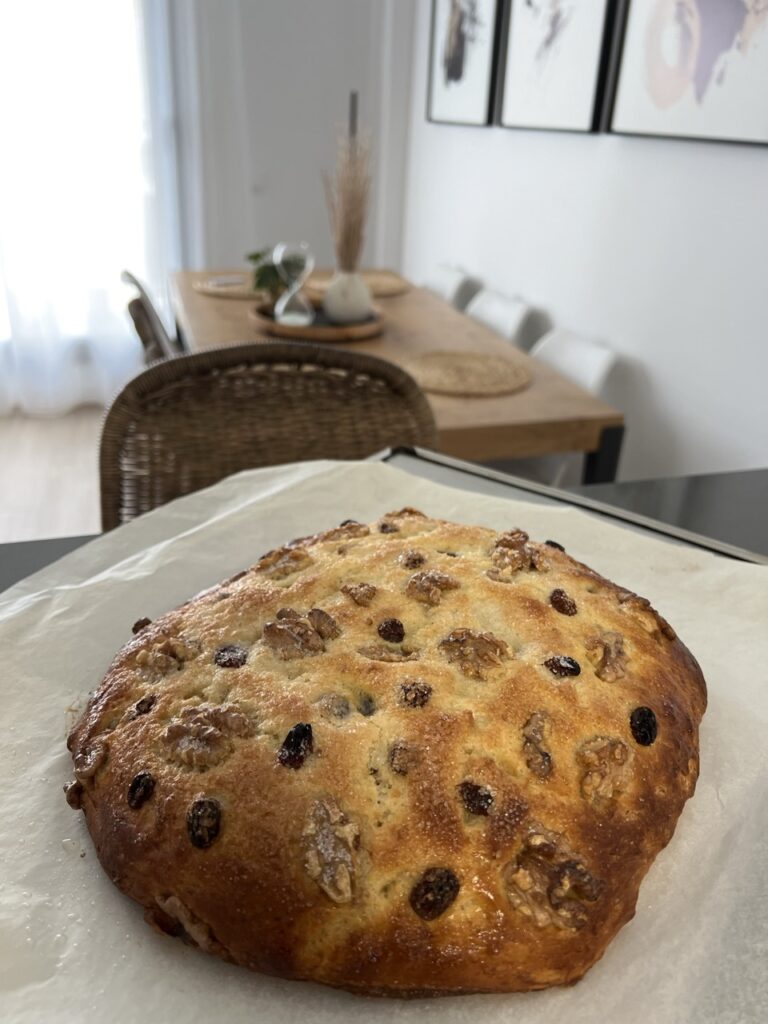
<point>409,758</point>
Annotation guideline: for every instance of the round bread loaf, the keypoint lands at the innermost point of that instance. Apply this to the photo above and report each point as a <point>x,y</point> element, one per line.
<point>404,759</point>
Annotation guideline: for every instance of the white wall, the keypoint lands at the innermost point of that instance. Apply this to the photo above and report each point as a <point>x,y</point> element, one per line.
<point>658,247</point>
<point>263,89</point>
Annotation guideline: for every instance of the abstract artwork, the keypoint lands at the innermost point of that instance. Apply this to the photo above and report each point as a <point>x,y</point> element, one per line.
<point>694,68</point>
<point>461,63</point>
<point>555,51</point>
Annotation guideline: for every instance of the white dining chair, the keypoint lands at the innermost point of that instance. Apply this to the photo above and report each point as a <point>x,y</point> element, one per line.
<point>584,361</point>
<point>453,284</point>
<point>587,363</point>
<point>508,316</point>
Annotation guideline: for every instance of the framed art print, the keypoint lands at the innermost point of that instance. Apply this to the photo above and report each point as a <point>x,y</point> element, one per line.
<point>462,61</point>
<point>694,69</point>
<point>556,53</point>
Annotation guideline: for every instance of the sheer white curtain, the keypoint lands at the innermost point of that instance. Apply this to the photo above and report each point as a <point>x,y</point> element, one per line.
<point>81,173</point>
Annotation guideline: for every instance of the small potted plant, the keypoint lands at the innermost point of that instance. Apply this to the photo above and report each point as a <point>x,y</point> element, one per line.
<point>266,277</point>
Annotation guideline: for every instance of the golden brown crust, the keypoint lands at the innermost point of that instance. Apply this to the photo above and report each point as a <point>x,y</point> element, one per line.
<point>411,758</point>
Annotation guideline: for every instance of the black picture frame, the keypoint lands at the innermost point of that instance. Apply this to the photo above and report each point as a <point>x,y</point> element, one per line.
<point>492,71</point>
<point>612,90</point>
<point>604,79</point>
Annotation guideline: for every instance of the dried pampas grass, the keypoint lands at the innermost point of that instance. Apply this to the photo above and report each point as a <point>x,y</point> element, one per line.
<point>346,195</point>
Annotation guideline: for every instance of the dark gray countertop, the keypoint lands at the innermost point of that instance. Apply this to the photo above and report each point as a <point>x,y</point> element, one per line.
<point>25,557</point>
<point>733,507</point>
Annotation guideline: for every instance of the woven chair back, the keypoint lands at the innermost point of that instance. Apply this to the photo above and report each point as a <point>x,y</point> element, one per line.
<point>186,423</point>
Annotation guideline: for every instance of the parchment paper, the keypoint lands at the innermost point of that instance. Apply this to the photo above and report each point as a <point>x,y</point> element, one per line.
<point>72,948</point>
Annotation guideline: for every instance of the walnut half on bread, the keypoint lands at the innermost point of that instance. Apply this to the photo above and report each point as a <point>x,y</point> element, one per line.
<point>410,758</point>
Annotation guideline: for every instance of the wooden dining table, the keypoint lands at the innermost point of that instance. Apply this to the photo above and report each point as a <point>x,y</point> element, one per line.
<point>552,414</point>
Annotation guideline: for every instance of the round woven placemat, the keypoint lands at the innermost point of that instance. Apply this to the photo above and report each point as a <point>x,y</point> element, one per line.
<point>468,373</point>
<point>226,287</point>
<point>382,283</point>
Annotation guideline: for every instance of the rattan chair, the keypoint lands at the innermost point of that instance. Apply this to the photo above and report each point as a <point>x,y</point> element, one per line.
<point>187,422</point>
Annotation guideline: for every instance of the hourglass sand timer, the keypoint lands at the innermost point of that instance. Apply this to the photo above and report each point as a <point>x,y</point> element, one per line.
<point>294,262</point>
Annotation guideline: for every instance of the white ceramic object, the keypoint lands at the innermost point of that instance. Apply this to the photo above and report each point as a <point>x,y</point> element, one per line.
<point>347,299</point>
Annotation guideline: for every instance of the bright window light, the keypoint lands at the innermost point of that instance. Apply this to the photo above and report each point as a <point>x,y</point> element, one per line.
<point>73,187</point>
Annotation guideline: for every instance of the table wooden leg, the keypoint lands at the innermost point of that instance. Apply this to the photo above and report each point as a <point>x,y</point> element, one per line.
<point>600,466</point>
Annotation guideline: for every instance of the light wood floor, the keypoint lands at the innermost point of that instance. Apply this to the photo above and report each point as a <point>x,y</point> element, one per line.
<point>49,483</point>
